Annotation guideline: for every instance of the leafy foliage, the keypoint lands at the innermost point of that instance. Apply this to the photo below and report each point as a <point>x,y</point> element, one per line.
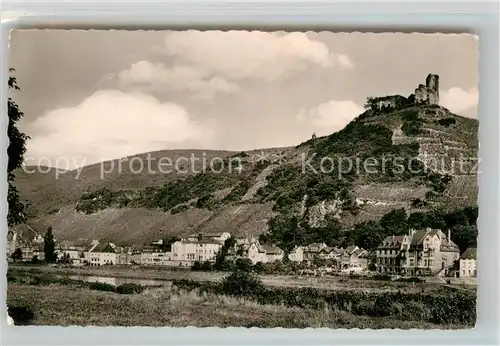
<point>129,288</point>
<point>220,259</point>
<point>15,151</point>
<point>412,123</point>
<point>17,255</point>
<point>242,283</point>
<point>446,122</point>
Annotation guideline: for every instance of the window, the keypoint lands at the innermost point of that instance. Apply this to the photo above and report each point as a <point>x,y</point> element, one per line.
<point>425,263</point>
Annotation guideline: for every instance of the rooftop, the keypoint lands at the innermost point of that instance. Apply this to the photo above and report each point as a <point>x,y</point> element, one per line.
<point>469,254</point>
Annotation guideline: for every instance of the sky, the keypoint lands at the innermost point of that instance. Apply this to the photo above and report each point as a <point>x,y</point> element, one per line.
<point>90,96</point>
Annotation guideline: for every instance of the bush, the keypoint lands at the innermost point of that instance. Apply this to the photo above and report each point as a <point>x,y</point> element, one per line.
<point>383,306</point>
<point>241,283</point>
<point>129,288</point>
<point>196,266</point>
<point>363,307</point>
<point>415,311</point>
<point>35,260</point>
<point>243,264</point>
<point>100,286</point>
<point>446,122</point>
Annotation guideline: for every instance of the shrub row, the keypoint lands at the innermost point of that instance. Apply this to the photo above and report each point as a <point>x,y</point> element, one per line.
<point>442,308</point>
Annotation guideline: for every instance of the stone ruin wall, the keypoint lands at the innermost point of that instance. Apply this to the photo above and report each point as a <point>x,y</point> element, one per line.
<point>428,93</point>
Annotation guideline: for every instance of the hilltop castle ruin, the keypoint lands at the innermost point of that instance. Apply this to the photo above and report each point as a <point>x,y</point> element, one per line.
<point>424,94</point>
<point>428,93</point>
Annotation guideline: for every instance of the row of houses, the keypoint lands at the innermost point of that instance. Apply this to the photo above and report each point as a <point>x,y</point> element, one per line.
<point>426,252</point>
<point>197,248</point>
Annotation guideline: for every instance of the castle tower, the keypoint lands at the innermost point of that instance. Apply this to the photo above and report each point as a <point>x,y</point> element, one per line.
<point>432,86</point>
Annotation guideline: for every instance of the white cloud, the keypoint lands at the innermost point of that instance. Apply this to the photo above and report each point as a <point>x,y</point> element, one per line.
<point>156,76</point>
<point>458,100</point>
<point>112,124</point>
<point>251,54</point>
<point>330,116</point>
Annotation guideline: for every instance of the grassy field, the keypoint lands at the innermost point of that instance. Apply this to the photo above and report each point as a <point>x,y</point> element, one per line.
<point>67,305</point>
<point>240,299</point>
<point>149,273</point>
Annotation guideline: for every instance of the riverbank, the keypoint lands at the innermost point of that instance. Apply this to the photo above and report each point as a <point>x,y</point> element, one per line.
<point>167,274</point>
<point>66,305</point>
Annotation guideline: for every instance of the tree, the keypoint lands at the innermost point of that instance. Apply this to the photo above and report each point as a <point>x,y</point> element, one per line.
<point>15,151</point>
<point>368,235</point>
<point>285,232</point>
<point>220,259</point>
<point>241,283</point>
<point>17,255</point>
<point>395,222</point>
<point>49,246</point>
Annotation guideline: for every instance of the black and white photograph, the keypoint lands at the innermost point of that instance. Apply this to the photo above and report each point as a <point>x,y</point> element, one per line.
<point>268,179</point>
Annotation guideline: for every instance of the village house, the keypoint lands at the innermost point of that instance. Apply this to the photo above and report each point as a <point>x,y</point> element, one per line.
<point>354,259</point>
<point>101,254</point>
<point>242,245</point>
<point>28,251</point>
<point>297,254</point>
<point>39,252</point>
<point>331,253</point>
<point>74,255</point>
<point>123,255</point>
<point>313,251</point>
<point>186,252</point>
<point>74,252</point>
<point>467,263</point>
<point>256,253</point>
<point>420,253</point>
<point>273,253</point>
<point>134,254</point>
<point>155,254</point>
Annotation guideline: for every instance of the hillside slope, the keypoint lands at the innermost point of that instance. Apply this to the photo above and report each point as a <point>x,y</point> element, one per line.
<point>129,205</point>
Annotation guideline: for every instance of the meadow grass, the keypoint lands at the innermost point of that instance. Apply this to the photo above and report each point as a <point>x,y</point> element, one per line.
<point>66,305</point>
